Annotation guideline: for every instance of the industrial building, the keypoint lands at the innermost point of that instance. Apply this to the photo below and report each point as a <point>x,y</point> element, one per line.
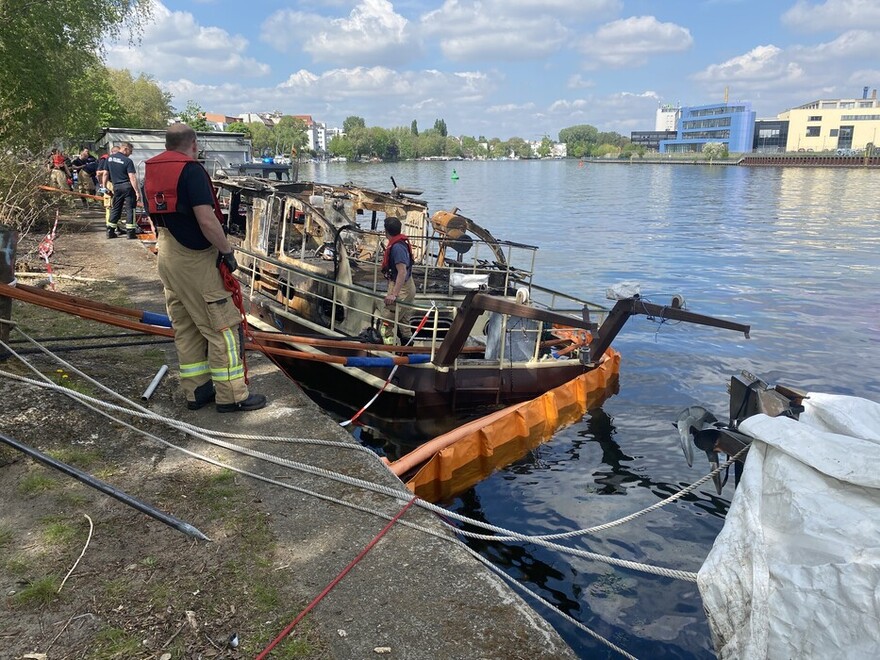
<point>834,124</point>
<point>732,124</point>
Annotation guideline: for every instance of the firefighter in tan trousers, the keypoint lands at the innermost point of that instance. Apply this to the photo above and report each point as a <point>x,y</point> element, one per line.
<point>192,245</point>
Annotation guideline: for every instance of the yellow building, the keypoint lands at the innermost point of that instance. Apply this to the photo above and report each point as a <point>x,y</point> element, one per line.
<point>832,124</point>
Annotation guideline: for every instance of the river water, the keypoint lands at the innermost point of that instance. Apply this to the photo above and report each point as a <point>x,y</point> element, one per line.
<point>793,252</point>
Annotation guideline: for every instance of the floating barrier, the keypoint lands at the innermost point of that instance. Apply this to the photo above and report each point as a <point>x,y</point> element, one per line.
<point>455,461</point>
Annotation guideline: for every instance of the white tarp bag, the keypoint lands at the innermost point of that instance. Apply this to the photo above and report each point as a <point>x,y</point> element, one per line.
<point>795,572</point>
<point>623,290</point>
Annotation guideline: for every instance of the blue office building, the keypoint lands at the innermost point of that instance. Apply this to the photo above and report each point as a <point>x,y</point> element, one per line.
<point>730,123</point>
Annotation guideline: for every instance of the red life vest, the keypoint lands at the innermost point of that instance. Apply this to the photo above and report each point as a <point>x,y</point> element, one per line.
<point>386,258</point>
<point>161,175</point>
<point>58,161</point>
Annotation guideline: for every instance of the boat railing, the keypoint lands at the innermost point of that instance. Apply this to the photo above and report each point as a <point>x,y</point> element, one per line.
<point>447,265</point>
<point>343,308</point>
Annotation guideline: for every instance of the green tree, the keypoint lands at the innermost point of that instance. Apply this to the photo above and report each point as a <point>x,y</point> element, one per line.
<point>96,102</point>
<point>407,142</point>
<point>440,127</point>
<point>545,148</point>
<point>194,116</point>
<point>352,123</point>
<point>431,143</point>
<point>714,150</point>
<point>414,127</point>
<point>472,147</point>
<point>46,49</point>
<point>262,137</point>
<point>145,104</point>
<point>520,147</point>
<point>290,134</point>
<point>342,146</point>
<point>240,127</point>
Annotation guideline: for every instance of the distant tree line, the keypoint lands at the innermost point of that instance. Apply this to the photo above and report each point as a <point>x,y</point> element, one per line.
<point>401,143</point>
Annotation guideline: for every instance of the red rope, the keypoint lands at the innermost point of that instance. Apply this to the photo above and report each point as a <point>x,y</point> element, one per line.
<point>231,284</point>
<point>284,633</point>
<point>390,376</point>
<point>47,248</point>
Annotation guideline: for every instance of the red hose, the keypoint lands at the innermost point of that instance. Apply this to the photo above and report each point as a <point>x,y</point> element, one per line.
<point>231,284</point>
<point>299,617</point>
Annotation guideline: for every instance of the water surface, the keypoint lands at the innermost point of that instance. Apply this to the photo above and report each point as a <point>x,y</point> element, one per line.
<point>794,252</point>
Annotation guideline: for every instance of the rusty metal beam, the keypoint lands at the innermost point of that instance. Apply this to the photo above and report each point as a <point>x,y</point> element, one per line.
<point>623,309</point>
<point>476,303</point>
<point>459,331</point>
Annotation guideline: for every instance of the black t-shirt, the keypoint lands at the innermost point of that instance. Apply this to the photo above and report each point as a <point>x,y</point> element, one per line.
<point>193,189</point>
<point>89,164</point>
<point>120,166</point>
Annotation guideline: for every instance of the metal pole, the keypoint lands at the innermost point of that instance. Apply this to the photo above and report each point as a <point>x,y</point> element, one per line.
<point>8,243</point>
<point>154,383</point>
<point>106,488</point>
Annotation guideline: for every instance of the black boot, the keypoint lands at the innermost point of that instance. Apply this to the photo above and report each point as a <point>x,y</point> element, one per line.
<point>204,395</point>
<point>253,402</point>
<point>111,233</point>
<point>132,234</point>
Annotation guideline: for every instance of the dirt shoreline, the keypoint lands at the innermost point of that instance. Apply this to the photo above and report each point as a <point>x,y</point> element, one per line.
<point>143,590</point>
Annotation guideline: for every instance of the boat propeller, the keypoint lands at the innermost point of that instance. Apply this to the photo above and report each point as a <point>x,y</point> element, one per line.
<point>692,421</point>
<point>697,427</point>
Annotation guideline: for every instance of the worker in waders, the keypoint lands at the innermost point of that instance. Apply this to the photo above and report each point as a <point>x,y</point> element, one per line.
<point>192,248</point>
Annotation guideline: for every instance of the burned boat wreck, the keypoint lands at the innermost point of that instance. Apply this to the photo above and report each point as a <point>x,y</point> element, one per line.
<point>485,333</point>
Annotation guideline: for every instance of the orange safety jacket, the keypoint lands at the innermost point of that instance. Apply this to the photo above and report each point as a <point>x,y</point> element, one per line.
<point>387,271</point>
<point>161,175</point>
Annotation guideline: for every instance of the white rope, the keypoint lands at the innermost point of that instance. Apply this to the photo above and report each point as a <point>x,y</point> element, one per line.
<point>399,494</point>
<point>202,434</point>
<point>81,554</point>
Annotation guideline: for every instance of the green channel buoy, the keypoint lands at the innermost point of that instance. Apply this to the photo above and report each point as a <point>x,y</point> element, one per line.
<point>454,175</point>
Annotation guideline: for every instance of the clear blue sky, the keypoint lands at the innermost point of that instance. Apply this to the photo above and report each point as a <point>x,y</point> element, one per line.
<point>503,68</point>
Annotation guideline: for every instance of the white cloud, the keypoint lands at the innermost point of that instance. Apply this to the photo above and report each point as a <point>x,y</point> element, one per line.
<point>622,112</point>
<point>372,33</point>
<point>591,8</point>
<point>763,66</point>
<point>381,95</point>
<point>495,30</point>
<point>833,15</point>
<point>631,41</point>
<point>577,81</point>
<point>174,42</point>
<point>854,44</point>
<point>774,78</point>
<point>510,107</point>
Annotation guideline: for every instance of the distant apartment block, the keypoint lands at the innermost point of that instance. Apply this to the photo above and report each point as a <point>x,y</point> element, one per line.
<point>732,124</point>
<point>830,124</point>
<point>667,118</point>
<point>316,134</point>
<point>267,118</point>
<point>219,122</point>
